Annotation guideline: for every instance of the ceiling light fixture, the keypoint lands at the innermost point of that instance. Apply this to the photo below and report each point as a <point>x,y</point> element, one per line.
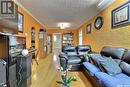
<point>63,25</point>
<point>101,3</point>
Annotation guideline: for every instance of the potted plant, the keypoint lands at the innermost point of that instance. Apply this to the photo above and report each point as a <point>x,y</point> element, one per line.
<point>64,69</point>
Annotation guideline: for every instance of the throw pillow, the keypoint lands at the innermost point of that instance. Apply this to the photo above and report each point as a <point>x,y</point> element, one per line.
<point>111,67</point>
<point>96,60</point>
<point>118,61</point>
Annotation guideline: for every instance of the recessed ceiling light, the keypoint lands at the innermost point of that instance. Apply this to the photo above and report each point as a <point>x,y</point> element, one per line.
<point>64,25</point>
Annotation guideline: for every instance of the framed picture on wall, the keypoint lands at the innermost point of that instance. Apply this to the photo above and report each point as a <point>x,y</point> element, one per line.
<point>121,15</point>
<point>20,22</point>
<point>88,28</point>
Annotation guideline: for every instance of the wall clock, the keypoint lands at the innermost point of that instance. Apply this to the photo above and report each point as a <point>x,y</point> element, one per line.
<point>98,22</point>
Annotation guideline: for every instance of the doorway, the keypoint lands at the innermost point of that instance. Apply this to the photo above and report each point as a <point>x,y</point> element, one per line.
<point>49,43</point>
<point>57,42</point>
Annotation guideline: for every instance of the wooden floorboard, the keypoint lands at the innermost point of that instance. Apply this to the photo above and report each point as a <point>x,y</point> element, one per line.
<point>46,74</point>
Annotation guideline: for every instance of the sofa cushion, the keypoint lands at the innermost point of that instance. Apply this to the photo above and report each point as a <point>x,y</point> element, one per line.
<point>126,56</point>
<point>91,68</point>
<point>119,80</point>
<point>110,66</point>
<point>124,80</point>
<point>95,58</point>
<point>125,68</point>
<point>70,50</point>
<point>117,61</point>
<point>83,49</point>
<point>74,61</point>
<point>82,53</point>
<point>107,80</point>
<point>74,53</point>
<point>122,76</point>
<point>116,53</point>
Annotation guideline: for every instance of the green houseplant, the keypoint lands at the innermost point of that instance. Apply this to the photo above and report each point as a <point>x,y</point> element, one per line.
<point>64,69</point>
<point>64,76</point>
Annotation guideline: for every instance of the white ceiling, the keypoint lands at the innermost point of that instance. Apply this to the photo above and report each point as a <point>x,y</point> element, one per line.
<point>51,12</point>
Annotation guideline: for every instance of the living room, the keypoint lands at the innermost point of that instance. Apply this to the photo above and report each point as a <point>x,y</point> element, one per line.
<point>79,43</point>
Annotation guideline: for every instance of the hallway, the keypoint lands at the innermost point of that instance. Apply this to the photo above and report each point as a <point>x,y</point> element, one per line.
<point>46,74</point>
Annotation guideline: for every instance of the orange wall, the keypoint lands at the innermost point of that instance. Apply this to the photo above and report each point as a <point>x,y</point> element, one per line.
<point>30,22</point>
<point>51,31</point>
<point>118,37</point>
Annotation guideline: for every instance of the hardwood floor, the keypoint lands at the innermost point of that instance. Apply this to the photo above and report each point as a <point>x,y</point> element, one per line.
<point>46,74</point>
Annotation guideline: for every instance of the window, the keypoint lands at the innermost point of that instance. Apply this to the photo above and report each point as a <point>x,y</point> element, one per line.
<point>80,37</point>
